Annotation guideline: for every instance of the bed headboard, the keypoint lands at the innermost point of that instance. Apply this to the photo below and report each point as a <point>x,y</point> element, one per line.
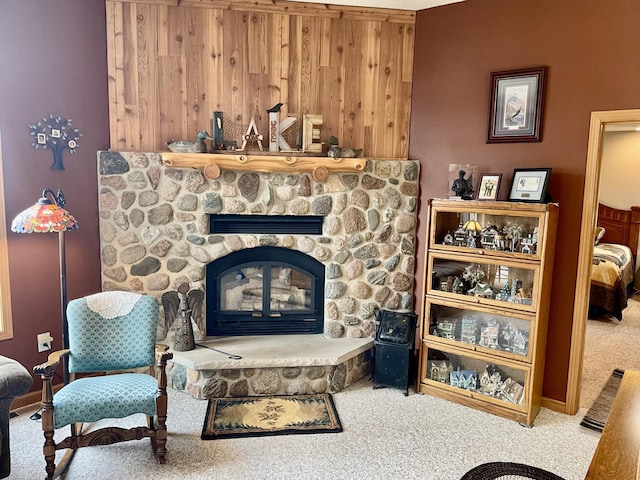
<point>621,226</point>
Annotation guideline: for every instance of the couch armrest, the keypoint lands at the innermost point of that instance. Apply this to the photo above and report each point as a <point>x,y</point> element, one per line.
<point>14,378</point>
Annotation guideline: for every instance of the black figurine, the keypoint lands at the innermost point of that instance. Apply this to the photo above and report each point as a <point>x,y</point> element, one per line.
<point>462,187</point>
<point>275,108</point>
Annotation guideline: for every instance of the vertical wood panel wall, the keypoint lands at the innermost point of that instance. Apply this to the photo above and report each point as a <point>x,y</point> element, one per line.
<point>171,66</point>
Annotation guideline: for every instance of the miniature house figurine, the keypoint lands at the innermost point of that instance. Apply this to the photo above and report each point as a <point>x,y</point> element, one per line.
<point>440,371</point>
<point>530,244</point>
<point>512,391</point>
<point>460,237</point>
<point>467,379</point>
<point>489,335</point>
<point>458,286</point>
<point>448,239</point>
<point>520,343</point>
<point>504,294</point>
<point>446,329</point>
<point>490,381</point>
<point>488,237</point>
<point>468,330</point>
<point>447,284</point>
<point>481,289</point>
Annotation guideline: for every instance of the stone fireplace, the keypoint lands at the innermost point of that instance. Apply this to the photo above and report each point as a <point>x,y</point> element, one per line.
<point>155,234</point>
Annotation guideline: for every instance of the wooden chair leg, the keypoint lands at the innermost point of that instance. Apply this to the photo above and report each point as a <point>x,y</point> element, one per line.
<point>64,463</point>
<point>161,438</point>
<point>49,450</point>
<point>49,447</point>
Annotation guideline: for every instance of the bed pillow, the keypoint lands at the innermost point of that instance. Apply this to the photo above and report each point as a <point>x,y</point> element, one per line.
<point>599,234</point>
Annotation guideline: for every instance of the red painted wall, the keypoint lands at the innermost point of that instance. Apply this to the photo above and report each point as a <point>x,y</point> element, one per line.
<point>52,60</point>
<point>591,49</point>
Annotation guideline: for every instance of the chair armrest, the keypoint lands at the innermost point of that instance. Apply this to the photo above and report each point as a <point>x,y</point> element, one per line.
<point>45,370</point>
<point>162,354</point>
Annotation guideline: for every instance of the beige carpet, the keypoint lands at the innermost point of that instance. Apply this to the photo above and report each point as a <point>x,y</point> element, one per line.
<point>385,436</point>
<point>610,344</point>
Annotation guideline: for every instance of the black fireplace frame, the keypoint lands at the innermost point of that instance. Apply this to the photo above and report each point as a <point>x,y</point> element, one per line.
<point>227,323</point>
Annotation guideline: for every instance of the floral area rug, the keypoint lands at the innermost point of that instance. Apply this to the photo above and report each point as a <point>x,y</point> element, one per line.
<point>275,415</point>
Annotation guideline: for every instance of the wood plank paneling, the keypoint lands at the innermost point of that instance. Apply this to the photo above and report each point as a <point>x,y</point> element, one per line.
<point>147,54</point>
<point>171,64</point>
<point>197,71</point>
<point>354,87</point>
<point>214,49</point>
<point>370,69</point>
<point>117,79</point>
<point>301,8</point>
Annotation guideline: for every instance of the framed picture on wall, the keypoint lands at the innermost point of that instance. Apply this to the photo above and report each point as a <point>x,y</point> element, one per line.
<point>529,185</point>
<point>489,186</point>
<point>515,108</point>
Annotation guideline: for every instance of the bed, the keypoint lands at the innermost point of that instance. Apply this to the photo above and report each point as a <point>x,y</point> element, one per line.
<point>613,266</point>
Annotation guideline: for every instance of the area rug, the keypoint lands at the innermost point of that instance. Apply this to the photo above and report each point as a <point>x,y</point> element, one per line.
<point>508,471</point>
<point>275,415</point>
<point>597,415</point>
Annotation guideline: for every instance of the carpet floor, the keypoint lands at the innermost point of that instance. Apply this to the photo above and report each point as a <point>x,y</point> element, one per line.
<point>609,344</point>
<point>385,436</point>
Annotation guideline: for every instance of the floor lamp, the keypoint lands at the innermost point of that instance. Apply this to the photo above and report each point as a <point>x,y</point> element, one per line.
<point>49,216</point>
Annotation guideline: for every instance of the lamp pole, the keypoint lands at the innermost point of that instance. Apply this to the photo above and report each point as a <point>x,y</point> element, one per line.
<point>63,304</point>
<point>49,215</point>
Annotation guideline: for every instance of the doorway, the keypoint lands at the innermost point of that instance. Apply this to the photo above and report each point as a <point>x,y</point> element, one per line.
<point>599,120</point>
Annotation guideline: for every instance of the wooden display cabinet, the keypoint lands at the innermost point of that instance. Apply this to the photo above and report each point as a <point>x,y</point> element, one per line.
<point>485,304</point>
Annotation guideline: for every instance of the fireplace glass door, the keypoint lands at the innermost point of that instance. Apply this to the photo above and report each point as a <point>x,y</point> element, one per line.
<point>265,290</point>
<point>268,291</point>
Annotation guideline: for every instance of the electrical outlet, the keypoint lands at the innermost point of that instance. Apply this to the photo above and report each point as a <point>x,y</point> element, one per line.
<point>44,341</point>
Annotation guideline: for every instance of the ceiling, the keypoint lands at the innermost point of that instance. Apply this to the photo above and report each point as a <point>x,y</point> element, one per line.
<point>397,4</point>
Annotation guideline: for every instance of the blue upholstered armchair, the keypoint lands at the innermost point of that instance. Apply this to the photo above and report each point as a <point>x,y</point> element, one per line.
<point>112,333</point>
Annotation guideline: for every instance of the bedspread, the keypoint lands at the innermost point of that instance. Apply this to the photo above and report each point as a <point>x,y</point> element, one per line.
<point>611,272</point>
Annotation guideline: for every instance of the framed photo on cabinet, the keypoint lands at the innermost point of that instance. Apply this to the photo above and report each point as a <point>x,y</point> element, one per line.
<point>515,109</point>
<point>529,185</point>
<point>489,186</point>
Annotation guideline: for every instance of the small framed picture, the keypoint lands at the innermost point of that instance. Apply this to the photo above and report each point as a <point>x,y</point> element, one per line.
<point>515,109</point>
<point>42,138</point>
<point>489,186</point>
<point>529,185</point>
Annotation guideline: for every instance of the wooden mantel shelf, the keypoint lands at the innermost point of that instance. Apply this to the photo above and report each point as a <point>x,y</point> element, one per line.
<point>212,163</point>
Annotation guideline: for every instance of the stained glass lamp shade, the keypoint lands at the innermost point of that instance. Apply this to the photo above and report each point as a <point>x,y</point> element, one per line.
<point>44,217</point>
<point>49,215</point>
<point>473,227</point>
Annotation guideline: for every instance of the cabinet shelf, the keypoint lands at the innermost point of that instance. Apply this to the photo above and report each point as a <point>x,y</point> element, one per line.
<point>212,163</point>
<point>485,304</point>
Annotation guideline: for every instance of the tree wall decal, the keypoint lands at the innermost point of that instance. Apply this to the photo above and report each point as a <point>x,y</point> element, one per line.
<point>56,134</point>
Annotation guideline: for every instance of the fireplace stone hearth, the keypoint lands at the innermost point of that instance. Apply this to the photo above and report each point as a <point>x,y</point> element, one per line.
<point>154,234</point>
<point>270,365</point>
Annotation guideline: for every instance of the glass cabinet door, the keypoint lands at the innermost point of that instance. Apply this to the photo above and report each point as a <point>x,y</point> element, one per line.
<point>499,230</point>
<point>479,328</point>
<point>486,280</point>
<point>481,377</point>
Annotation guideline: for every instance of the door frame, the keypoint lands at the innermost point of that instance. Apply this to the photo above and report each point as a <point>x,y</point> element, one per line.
<point>589,218</point>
